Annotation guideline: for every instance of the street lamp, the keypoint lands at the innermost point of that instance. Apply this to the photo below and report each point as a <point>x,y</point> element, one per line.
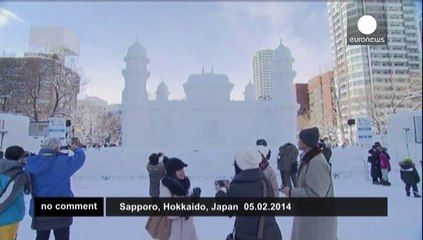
<point>406,140</point>
<point>351,122</point>
<point>2,132</point>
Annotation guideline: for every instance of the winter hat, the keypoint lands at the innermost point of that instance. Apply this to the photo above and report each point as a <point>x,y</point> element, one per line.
<point>310,136</point>
<point>153,159</point>
<point>51,143</point>
<point>263,150</point>
<point>14,153</point>
<point>174,164</point>
<point>249,158</point>
<point>261,142</point>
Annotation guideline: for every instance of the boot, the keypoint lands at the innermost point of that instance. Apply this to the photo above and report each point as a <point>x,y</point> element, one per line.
<point>407,194</point>
<point>384,183</point>
<point>416,195</point>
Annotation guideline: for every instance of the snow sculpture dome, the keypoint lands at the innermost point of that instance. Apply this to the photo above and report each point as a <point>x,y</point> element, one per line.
<point>282,52</point>
<point>208,87</point>
<point>162,92</point>
<point>137,50</point>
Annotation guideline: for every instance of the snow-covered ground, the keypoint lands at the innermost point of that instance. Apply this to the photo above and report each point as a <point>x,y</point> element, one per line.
<point>113,172</point>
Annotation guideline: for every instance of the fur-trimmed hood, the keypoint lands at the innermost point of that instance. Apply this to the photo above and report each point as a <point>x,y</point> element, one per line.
<point>406,164</point>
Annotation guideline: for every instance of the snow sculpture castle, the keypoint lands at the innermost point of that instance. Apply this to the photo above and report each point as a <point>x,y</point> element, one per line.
<point>207,118</point>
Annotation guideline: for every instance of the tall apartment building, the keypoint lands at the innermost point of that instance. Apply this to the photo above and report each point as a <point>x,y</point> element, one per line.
<point>321,91</point>
<point>303,113</point>
<point>262,71</point>
<point>370,80</point>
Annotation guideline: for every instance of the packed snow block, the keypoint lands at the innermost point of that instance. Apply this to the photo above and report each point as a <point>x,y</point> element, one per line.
<point>14,130</point>
<point>405,136</point>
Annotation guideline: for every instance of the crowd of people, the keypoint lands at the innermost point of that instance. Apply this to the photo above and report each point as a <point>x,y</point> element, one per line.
<point>48,173</point>
<point>381,166</point>
<point>255,178</point>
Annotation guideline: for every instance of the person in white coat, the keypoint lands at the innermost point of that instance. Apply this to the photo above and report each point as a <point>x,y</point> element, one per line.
<point>175,184</point>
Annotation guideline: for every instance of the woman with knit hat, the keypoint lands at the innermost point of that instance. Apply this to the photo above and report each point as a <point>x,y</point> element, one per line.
<point>249,182</point>
<point>176,184</point>
<point>314,180</point>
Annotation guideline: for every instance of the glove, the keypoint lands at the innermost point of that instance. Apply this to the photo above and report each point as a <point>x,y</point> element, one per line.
<point>196,192</point>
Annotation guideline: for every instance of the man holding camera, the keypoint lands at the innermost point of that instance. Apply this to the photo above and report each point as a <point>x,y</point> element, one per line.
<point>50,171</point>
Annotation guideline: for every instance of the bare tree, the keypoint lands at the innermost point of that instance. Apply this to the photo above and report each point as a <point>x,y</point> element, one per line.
<point>399,96</point>
<point>33,81</point>
<point>65,83</point>
<point>9,72</point>
<point>97,125</point>
<point>336,91</point>
<point>42,86</point>
<point>113,127</point>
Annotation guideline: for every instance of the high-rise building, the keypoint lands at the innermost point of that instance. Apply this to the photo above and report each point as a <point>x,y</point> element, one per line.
<point>262,71</point>
<point>420,27</point>
<point>321,91</point>
<point>303,113</point>
<point>371,80</point>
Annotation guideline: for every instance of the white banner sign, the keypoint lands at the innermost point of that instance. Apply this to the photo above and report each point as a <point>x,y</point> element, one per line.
<point>57,128</point>
<point>364,131</point>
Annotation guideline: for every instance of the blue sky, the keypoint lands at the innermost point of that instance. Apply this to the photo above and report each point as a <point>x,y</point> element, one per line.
<point>179,38</point>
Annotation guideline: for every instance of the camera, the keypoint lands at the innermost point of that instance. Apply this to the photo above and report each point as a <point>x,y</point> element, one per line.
<point>67,147</point>
<point>222,183</point>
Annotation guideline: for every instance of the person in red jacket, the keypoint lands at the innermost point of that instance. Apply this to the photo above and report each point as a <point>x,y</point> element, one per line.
<point>385,166</point>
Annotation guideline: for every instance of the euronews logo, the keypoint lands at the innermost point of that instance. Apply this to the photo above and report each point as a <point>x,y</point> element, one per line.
<point>367,30</point>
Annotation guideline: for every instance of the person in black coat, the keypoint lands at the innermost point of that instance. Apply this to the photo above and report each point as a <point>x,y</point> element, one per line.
<point>248,183</point>
<point>327,152</point>
<point>409,176</point>
<point>375,170</point>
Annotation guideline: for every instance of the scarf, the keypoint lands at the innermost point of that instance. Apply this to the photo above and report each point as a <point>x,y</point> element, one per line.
<point>176,186</point>
<point>306,158</point>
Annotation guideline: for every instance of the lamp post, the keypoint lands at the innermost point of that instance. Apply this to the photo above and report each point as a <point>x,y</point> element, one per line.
<point>351,122</point>
<point>406,140</point>
<point>2,132</point>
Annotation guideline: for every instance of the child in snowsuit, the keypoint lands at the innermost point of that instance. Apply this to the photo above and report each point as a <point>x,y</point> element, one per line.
<point>409,176</point>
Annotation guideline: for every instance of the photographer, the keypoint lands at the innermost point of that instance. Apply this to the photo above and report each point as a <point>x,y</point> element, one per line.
<point>50,172</point>
<point>156,171</point>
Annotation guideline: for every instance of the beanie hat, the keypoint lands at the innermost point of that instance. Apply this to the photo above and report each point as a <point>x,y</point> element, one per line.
<point>249,158</point>
<point>174,164</point>
<point>310,136</point>
<point>261,142</point>
<point>14,153</point>
<point>153,159</point>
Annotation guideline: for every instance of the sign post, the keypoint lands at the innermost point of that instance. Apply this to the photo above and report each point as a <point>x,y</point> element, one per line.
<point>57,129</point>
<point>364,131</point>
